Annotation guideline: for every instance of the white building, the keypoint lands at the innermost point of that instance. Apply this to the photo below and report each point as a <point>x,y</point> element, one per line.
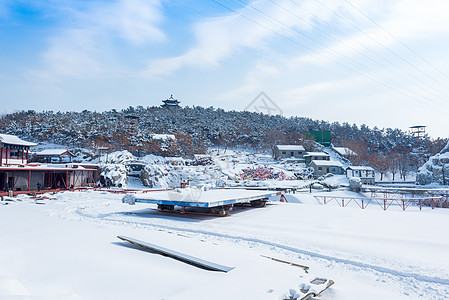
<point>345,152</point>
<point>289,151</point>
<point>366,174</point>
<point>310,156</point>
<point>322,167</point>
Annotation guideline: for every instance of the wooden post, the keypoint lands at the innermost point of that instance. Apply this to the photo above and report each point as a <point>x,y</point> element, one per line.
<point>29,180</point>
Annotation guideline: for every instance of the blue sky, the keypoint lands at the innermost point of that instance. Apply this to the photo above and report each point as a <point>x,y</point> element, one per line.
<point>380,63</point>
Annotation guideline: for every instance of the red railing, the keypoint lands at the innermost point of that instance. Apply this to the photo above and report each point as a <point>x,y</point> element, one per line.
<point>384,203</point>
<point>115,191</point>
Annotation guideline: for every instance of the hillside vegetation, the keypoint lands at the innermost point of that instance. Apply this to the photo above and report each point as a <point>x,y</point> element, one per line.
<point>197,128</point>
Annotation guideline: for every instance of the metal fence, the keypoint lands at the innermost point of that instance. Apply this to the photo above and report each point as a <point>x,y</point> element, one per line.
<point>385,203</point>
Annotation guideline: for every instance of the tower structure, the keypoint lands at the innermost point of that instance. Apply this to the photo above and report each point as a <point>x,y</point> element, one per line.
<point>418,130</point>
<point>131,124</point>
<point>170,102</point>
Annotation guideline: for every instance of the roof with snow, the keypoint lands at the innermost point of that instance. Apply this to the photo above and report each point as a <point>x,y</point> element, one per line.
<point>171,102</point>
<point>327,163</point>
<point>59,167</point>
<point>14,140</point>
<point>163,137</point>
<point>200,156</point>
<point>360,168</point>
<point>316,154</point>
<point>290,147</point>
<point>54,152</point>
<point>343,151</point>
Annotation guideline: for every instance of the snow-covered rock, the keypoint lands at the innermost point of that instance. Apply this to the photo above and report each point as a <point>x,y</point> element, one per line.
<point>355,184</point>
<point>160,176</point>
<point>114,174</point>
<point>170,175</point>
<point>436,169</point>
<point>118,157</point>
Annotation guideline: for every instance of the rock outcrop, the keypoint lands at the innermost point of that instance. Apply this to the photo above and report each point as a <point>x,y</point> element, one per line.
<point>435,170</point>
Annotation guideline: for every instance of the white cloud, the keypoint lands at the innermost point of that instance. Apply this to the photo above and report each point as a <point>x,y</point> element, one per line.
<point>306,93</point>
<point>82,47</point>
<point>252,27</point>
<point>216,39</point>
<point>414,18</point>
<point>74,54</point>
<point>134,20</point>
<point>220,37</point>
<point>406,20</point>
<point>253,83</point>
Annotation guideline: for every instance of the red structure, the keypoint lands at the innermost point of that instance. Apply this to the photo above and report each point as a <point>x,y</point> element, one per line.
<point>13,150</point>
<point>17,175</point>
<point>30,178</point>
<point>54,156</point>
<point>283,198</point>
<point>384,203</point>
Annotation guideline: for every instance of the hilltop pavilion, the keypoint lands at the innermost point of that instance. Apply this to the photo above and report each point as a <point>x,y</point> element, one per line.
<point>170,102</point>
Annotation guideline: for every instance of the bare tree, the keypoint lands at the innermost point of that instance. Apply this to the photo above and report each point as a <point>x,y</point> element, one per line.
<point>380,162</point>
<point>393,163</point>
<point>361,149</point>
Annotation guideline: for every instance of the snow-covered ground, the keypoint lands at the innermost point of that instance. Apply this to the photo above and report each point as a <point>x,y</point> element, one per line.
<point>65,247</point>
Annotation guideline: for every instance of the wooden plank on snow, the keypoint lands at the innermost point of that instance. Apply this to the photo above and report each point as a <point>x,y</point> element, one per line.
<point>198,262</point>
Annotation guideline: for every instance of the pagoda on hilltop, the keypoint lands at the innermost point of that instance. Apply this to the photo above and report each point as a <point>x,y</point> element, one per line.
<point>171,102</point>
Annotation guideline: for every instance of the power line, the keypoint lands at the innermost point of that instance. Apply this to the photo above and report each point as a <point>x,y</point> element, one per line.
<point>412,95</point>
<point>414,80</point>
<point>403,44</point>
<point>325,47</point>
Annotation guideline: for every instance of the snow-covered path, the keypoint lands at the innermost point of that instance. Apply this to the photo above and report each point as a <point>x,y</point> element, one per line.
<point>368,253</point>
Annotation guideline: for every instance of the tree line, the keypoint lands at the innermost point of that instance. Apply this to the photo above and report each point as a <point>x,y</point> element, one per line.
<point>197,128</point>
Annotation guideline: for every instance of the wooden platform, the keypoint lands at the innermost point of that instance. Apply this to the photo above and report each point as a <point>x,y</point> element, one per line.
<point>201,263</point>
<point>198,198</point>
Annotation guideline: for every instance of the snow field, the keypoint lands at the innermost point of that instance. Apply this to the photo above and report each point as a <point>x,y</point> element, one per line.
<point>67,248</point>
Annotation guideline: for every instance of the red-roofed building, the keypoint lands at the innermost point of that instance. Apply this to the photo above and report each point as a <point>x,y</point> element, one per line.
<point>57,156</point>
<point>16,174</point>
<point>13,150</point>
